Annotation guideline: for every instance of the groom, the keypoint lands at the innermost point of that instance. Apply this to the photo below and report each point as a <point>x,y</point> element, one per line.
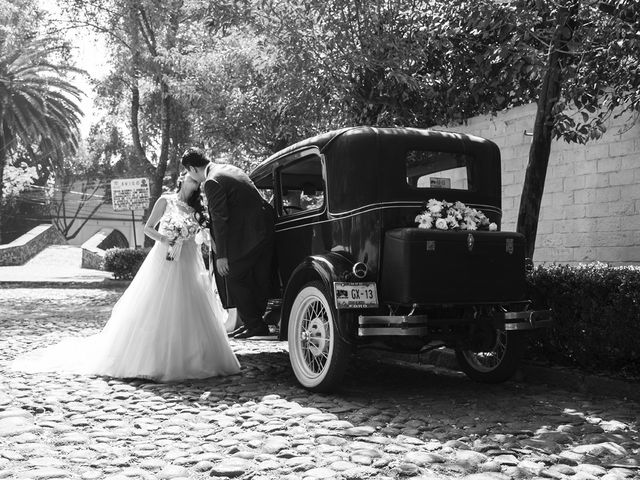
<point>242,227</point>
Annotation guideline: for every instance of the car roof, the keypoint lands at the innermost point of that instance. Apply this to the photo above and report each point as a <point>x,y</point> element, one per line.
<point>324,140</point>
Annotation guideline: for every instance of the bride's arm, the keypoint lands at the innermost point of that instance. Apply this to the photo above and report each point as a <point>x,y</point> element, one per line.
<point>154,218</point>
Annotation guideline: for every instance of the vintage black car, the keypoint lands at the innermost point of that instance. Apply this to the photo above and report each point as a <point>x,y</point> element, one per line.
<point>357,272</point>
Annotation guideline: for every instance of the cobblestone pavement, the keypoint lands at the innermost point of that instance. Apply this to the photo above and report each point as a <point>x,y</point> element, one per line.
<point>388,422</point>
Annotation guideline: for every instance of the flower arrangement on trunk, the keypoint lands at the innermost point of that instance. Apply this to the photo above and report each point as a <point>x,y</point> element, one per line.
<point>444,215</point>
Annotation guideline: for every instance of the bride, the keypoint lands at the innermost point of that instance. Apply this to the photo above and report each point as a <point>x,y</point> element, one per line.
<point>168,325</point>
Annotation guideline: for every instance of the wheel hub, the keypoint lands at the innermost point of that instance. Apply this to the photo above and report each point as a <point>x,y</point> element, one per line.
<point>490,357</point>
<point>315,337</point>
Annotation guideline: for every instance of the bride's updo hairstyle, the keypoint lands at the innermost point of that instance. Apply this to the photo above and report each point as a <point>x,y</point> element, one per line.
<point>194,201</point>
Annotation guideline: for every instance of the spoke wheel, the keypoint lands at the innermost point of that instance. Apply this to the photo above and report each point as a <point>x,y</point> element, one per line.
<point>317,353</point>
<point>496,364</point>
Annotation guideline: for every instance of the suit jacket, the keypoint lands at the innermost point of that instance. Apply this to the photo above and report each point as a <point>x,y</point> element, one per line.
<point>240,218</point>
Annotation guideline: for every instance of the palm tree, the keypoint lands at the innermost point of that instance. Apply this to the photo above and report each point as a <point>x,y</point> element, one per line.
<point>39,109</point>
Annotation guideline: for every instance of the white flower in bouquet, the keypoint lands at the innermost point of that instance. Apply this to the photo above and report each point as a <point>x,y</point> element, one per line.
<point>441,224</point>
<point>434,206</point>
<point>177,229</point>
<point>424,221</point>
<point>493,227</point>
<point>452,221</point>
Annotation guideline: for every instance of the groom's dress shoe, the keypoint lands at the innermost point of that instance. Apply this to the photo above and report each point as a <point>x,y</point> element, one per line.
<point>259,331</point>
<point>237,331</point>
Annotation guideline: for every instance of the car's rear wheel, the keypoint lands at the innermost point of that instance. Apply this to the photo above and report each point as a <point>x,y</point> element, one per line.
<point>496,363</point>
<point>318,355</point>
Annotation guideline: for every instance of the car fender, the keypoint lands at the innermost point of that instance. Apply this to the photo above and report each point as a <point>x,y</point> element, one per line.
<point>327,268</point>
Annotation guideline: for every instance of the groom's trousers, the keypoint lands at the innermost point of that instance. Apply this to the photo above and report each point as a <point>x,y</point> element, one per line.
<point>248,284</point>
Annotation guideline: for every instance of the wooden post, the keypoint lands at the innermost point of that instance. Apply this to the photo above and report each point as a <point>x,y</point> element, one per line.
<point>133,222</point>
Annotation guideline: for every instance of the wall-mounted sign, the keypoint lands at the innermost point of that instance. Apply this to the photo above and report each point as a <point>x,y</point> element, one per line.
<point>130,193</point>
<point>439,182</point>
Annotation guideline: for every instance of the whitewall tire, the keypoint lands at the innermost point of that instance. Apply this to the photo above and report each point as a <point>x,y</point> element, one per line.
<point>318,355</point>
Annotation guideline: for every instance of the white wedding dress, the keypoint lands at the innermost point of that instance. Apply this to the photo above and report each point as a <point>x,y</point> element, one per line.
<point>168,325</point>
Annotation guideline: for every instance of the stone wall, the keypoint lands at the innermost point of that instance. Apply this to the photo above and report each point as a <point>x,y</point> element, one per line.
<point>93,250</point>
<point>28,245</point>
<point>591,204</point>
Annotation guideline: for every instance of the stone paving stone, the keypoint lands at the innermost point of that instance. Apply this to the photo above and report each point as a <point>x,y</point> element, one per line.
<point>388,422</point>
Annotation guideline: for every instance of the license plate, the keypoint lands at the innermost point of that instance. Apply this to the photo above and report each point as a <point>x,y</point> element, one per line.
<point>355,295</point>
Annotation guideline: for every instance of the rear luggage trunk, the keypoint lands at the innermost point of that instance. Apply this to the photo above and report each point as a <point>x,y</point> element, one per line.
<point>426,266</point>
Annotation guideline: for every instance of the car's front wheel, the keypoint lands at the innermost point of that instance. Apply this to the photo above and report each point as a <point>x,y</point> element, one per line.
<point>496,363</point>
<point>318,355</point>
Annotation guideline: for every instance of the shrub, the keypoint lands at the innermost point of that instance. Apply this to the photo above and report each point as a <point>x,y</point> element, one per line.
<point>124,262</point>
<point>596,317</point>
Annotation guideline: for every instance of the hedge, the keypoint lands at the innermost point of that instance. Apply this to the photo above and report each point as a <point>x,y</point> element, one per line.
<point>596,317</point>
<point>124,262</point>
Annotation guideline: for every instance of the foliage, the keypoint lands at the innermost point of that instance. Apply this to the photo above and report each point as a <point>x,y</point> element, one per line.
<point>107,154</point>
<point>603,77</point>
<point>249,96</point>
<point>16,180</point>
<point>307,67</point>
<point>408,63</point>
<point>596,311</point>
<point>140,34</point>
<point>265,74</point>
<point>124,263</point>
<point>24,204</point>
<point>512,42</point>
<point>39,112</point>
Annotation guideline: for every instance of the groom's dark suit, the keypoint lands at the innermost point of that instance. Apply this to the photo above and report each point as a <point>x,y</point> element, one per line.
<point>242,227</point>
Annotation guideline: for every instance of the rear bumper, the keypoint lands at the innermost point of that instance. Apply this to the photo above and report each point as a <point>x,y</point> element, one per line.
<point>527,320</point>
<point>422,325</point>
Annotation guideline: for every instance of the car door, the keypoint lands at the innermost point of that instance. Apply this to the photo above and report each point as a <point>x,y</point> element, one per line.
<point>300,209</point>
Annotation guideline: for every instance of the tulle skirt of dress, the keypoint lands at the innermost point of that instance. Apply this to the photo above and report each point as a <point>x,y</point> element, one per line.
<point>168,325</point>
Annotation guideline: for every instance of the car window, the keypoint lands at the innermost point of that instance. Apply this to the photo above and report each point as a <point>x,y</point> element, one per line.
<point>267,194</point>
<point>428,169</point>
<point>301,186</point>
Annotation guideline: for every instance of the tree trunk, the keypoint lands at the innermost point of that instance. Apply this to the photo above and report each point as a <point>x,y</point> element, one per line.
<point>3,159</point>
<point>135,127</point>
<point>165,132</point>
<point>540,150</point>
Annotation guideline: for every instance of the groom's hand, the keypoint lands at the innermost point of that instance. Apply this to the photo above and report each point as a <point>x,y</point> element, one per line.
<point>222,264</point>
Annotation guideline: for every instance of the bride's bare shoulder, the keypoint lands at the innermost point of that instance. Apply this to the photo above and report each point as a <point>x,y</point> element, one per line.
<point>166,197</point>
<point>161,202</point>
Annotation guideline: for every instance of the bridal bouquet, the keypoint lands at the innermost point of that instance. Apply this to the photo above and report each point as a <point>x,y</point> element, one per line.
<point>444,215</point>
<point>178,228</point>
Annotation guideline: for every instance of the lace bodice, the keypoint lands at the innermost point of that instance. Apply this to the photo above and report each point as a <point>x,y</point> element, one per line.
<point>177,211</point>
<point>177,206</point>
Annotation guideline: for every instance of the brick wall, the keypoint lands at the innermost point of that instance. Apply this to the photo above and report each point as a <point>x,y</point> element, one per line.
<point>591,205</point>
<point>29,244</point>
